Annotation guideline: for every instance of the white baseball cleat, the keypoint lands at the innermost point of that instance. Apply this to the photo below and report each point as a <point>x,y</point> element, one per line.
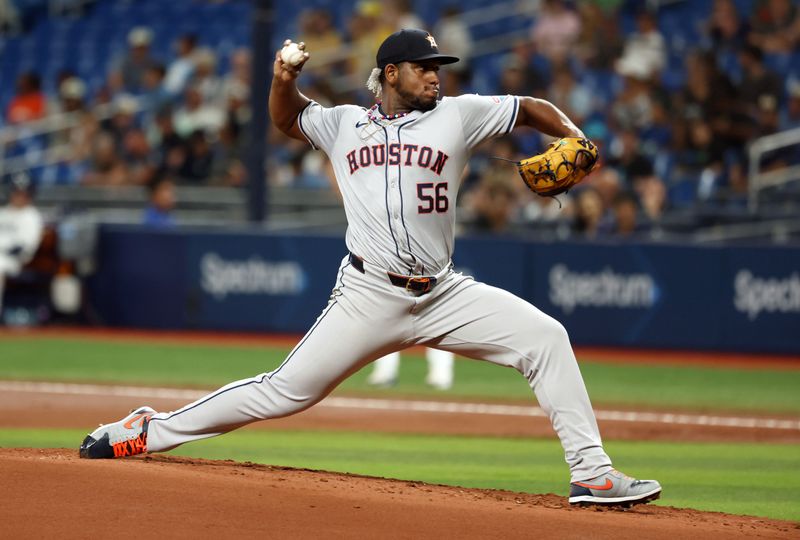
<point>127,437</point>
<point>614,489</point>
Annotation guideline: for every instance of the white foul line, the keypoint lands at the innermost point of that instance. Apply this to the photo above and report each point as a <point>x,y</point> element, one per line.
<point>408,406</point>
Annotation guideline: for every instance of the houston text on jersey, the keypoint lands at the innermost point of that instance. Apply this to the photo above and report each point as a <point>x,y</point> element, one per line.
<point>406,154</point>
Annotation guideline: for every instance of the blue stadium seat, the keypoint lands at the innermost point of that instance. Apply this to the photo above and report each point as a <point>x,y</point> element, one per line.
<point>779,63</point>
<point>682,193</point>
<point>604,84</point>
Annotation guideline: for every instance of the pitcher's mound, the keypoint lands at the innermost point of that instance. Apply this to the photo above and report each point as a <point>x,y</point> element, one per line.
<point>53,494</point>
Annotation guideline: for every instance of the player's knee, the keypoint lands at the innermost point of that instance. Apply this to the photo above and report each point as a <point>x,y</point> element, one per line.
<point>550,332</point>
<point>558,332</point>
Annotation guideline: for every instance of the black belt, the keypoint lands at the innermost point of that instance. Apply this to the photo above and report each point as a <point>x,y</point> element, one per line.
<point>418,284</point>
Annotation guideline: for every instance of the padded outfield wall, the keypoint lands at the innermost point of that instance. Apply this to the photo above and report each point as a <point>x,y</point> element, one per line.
<point>611,294</point>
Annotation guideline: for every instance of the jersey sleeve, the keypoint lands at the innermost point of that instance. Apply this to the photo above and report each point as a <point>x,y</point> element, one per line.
<point>483,117</point>
<point>320,125</point>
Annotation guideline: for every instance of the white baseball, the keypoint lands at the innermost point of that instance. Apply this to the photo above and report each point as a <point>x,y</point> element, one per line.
<point>291,54</point>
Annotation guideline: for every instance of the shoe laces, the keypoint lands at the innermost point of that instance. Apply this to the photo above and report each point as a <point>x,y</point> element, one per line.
<point>131,447</point>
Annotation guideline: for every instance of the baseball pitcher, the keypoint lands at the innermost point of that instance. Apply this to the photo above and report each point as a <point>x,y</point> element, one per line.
<point>398,164</point>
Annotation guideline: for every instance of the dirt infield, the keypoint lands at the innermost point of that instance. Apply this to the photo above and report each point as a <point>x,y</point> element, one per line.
<point>53,494</point>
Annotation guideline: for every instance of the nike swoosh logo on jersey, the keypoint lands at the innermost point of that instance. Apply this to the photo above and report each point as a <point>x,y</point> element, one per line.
<point>608,485</point>
<point>361,124</point>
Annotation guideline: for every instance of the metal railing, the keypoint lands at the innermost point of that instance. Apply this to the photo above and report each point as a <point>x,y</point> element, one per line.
<point>759,180</point>
<point>50,125</point>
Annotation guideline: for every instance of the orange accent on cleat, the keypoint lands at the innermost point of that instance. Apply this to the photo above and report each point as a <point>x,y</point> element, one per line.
<point>608,485</point>
<point>143,417</point>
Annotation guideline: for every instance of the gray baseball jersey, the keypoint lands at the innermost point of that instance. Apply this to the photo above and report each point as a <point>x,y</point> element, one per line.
<point>399,180</point>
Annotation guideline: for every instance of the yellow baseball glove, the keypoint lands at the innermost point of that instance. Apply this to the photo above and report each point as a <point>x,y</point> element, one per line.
<point>565,163</point>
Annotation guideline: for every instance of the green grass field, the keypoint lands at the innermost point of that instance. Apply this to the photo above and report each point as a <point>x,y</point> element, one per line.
<point>676,387</point>
<point>755,479</point>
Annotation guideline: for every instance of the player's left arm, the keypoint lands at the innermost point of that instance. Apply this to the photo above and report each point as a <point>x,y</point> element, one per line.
<point>545,117</point>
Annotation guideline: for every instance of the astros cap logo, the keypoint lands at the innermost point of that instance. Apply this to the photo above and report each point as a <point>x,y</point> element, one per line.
<point>433,42</point>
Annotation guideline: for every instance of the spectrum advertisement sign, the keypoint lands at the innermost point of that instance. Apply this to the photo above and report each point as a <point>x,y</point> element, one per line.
<point>614,294</point>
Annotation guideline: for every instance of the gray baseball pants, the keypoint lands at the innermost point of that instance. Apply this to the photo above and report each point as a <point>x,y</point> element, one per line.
<point>368,317</point>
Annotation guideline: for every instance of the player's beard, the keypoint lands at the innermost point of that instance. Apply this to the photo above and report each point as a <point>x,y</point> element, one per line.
<point>416,102</point>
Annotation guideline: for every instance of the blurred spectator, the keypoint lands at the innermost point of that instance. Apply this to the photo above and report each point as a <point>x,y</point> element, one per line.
<point>737,87</point>
<point>54,103</point>
<point>519,78</point>
<point>228,165</point>
<point>727,29</point>
<point>492,203</point>
<point>9,16</point>
<point>402,13</point>
<point>589,212</point>
<point>625,155</point>
<point>483,158</point>
<point>776,26</point>
<point>199,158</point>
<point>29,103</point>
<point>137,157</point>
<point>569,96</point>
<point>625,221</point>
<point>78,138</point>
<point>106,168</point>
<point>633,107</point>
<point>734,192</point>
<point>768,116</point>
<point>367,29</point>
<point>180,70</point>
<point>21,228</point>
<point>237,107</point>
<point>546,210</point>
<point>195,114</point>
<point>71,93</point>
<point>154,94</point>
<point>324,41</point>
<point>599,42</point>
<point>306,171</point>
<point>758,82</point>
<point>607,182</point>
<point>453,35</point>
<point>236,92</point>
<point>318,32</point>
<point>238,78</point>
<point>123,120</point>
<point>454,83</point>
<point>652,193</point>
<point>645,50</point>
<point>699,158</point>
<point>132,67</point>
<point>165,142</point>
<point>161,203</point>
<point>698,91</point>
<point>205,78</point>
<point>556,30</point>
<point>708,93</point>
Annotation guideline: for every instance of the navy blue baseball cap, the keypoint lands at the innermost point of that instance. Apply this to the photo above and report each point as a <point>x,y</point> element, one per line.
<point>410,45</point>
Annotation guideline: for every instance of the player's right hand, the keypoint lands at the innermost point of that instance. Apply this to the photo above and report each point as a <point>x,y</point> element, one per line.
<point>285,72</point>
